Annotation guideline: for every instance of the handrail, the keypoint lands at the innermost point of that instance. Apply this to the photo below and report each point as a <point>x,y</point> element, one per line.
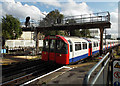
<point>89,14</point>
<point>88,75</point>
<point>95,79</point>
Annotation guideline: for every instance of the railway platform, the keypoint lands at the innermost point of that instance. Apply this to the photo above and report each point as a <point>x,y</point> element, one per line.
<point>72,74</point>
<point>76,74</point>
<point>10,59</point>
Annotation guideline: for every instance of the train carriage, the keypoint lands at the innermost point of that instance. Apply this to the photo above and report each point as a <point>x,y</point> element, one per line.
<point>66,50</point>
<point>79,48</point>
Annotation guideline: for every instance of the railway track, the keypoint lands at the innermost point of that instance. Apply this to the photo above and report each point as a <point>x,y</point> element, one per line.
<point>21,74</point>
<point>27,71</point>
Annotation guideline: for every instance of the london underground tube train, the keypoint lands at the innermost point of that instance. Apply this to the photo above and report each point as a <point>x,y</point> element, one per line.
<point>66,50</point>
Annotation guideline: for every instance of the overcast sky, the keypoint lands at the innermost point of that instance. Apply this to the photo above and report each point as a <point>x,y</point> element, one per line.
<point>36,8</point>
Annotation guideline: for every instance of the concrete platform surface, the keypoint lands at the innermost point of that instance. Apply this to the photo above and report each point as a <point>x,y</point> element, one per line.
<point>74,74</point>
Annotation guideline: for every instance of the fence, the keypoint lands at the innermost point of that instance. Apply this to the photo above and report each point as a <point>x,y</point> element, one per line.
<point>99,74</point>
<point>22,43</point>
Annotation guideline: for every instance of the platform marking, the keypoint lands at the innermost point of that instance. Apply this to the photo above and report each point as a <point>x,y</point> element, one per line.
<point>45,75</point>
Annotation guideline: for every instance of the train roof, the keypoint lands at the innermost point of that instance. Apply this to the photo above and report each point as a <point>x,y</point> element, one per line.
<point>92,39</point>
<point>76,39</point>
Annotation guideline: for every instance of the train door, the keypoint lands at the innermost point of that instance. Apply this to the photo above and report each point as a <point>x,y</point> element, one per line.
<point>90,49</point>
<point>70,51</point>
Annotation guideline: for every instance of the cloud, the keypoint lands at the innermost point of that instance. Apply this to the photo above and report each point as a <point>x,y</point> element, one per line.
<point>21,11</point>
<point>114,23</point>
<point>7,1</point>
<point>69,8</point>
<point>72,8</point>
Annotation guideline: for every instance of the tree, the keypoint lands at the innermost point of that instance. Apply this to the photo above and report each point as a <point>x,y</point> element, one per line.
<point>74,32</point>
<point>53,17</point>
<point>10,28</point>
<point>85,33</point>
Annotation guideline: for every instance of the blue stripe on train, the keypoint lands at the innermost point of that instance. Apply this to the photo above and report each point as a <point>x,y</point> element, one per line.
<point>95,52</point>
<point>78,58</point>
<point>82,57</point>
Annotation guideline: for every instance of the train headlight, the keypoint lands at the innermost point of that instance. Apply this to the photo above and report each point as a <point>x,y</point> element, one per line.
<point>60,54</point>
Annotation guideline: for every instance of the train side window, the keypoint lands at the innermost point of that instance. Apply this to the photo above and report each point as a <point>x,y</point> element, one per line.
<point>77,47</point>
<point>84,45</point>
<point>94,44</point>
<point>70,45</point>
<point>97,44</point>
<point>70,48</point>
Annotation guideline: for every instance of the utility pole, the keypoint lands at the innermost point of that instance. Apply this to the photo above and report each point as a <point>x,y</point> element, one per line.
<point>101,40</point>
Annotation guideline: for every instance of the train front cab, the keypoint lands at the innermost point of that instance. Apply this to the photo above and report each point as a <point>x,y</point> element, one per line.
<point>55,49</point>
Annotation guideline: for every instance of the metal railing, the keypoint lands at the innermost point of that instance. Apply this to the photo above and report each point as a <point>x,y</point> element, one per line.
<point>101,76</point>
<point>78,19</point>
<point>95,17</point>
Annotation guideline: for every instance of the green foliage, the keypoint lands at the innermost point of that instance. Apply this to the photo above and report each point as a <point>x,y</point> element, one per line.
<point>10,27</point>
<point>75,32</point>
<point>54,17</point>
<point>85,33</point>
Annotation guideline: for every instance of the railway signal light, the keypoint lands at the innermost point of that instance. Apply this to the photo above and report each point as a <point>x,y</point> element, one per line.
<point>27,22</point>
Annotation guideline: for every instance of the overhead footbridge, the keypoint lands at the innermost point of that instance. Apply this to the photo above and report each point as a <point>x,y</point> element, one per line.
<point>99,20</point>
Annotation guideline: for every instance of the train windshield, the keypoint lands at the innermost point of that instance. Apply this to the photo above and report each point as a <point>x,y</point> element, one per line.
<point>61,47</point>
<point>49,45</point>
<point>52,45</point>
<point>57,46</point>
<point>46,45</point>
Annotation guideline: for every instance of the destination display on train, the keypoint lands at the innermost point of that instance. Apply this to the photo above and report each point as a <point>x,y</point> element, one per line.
<point>116,72</point>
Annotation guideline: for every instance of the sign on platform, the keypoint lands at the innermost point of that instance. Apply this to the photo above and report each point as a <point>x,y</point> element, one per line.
<point>3,50</point>
<point>116,72</point>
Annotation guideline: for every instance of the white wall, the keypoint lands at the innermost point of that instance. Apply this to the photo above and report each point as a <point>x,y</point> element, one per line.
<point>26,36</point>
<point>22,43</point>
